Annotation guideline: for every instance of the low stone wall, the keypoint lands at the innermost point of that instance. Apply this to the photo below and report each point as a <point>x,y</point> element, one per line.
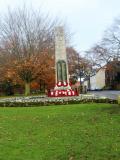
<point>45,101</point>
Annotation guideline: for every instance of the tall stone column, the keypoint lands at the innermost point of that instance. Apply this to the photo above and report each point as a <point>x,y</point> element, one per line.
<point>61,64</point>
<point>62,87</point>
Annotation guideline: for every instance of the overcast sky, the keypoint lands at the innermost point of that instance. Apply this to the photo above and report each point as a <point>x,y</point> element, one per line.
<point>86,18</point>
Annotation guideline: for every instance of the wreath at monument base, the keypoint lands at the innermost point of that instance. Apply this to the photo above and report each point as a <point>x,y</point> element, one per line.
<point>63,93</point>
<point>62,84</point>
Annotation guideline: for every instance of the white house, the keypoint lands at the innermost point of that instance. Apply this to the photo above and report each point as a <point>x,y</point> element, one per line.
<point>100,78</point>
<point>93,82</point>
<point>96,81</point>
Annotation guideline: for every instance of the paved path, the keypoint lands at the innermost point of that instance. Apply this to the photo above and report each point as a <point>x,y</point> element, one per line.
<point>108,94</point>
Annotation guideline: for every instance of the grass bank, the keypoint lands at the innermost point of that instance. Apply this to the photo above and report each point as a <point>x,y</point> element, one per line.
<point>70,132</point>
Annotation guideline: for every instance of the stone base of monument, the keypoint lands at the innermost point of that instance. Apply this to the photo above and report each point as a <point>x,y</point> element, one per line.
<point>62,90</point>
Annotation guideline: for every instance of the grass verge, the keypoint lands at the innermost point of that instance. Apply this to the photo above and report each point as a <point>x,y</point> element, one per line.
<point>70,132</point>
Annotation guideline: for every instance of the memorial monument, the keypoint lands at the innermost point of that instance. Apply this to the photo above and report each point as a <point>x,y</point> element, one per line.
<point>62,86</point>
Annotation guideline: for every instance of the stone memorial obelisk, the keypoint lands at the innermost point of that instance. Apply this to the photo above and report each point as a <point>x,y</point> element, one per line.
<point>61,65</point>
<point>62,86</point>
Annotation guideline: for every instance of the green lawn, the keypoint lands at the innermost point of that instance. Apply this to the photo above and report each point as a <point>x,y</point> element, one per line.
<point>70,132</point>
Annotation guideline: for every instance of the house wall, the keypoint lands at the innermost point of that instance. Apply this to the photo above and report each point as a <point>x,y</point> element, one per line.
<point>98,81</point>
<point>86,83</point>
<point>93,82</point>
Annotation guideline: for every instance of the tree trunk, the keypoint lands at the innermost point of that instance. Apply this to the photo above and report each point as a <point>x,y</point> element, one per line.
<point>27,88</point>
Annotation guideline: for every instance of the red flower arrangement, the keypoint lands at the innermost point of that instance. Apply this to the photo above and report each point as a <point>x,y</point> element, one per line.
<point>62,84</point>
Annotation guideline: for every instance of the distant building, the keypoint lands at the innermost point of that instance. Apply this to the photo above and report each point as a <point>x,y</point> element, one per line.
<point>96,81</point>
<point>112,75</point>
<point>107,77</point>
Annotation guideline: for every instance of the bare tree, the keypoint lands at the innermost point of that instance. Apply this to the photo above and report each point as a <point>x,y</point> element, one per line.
<point>79,66</point>
<point>108,48</point>
<point>111,39</point>
<point>99,55</point>
<point>24,35</point>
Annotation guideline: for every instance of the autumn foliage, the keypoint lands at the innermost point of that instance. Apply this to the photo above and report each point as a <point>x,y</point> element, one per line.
<point>27,48</point>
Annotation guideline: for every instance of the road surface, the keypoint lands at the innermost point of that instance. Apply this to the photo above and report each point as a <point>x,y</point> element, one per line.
<point>108,94</point>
